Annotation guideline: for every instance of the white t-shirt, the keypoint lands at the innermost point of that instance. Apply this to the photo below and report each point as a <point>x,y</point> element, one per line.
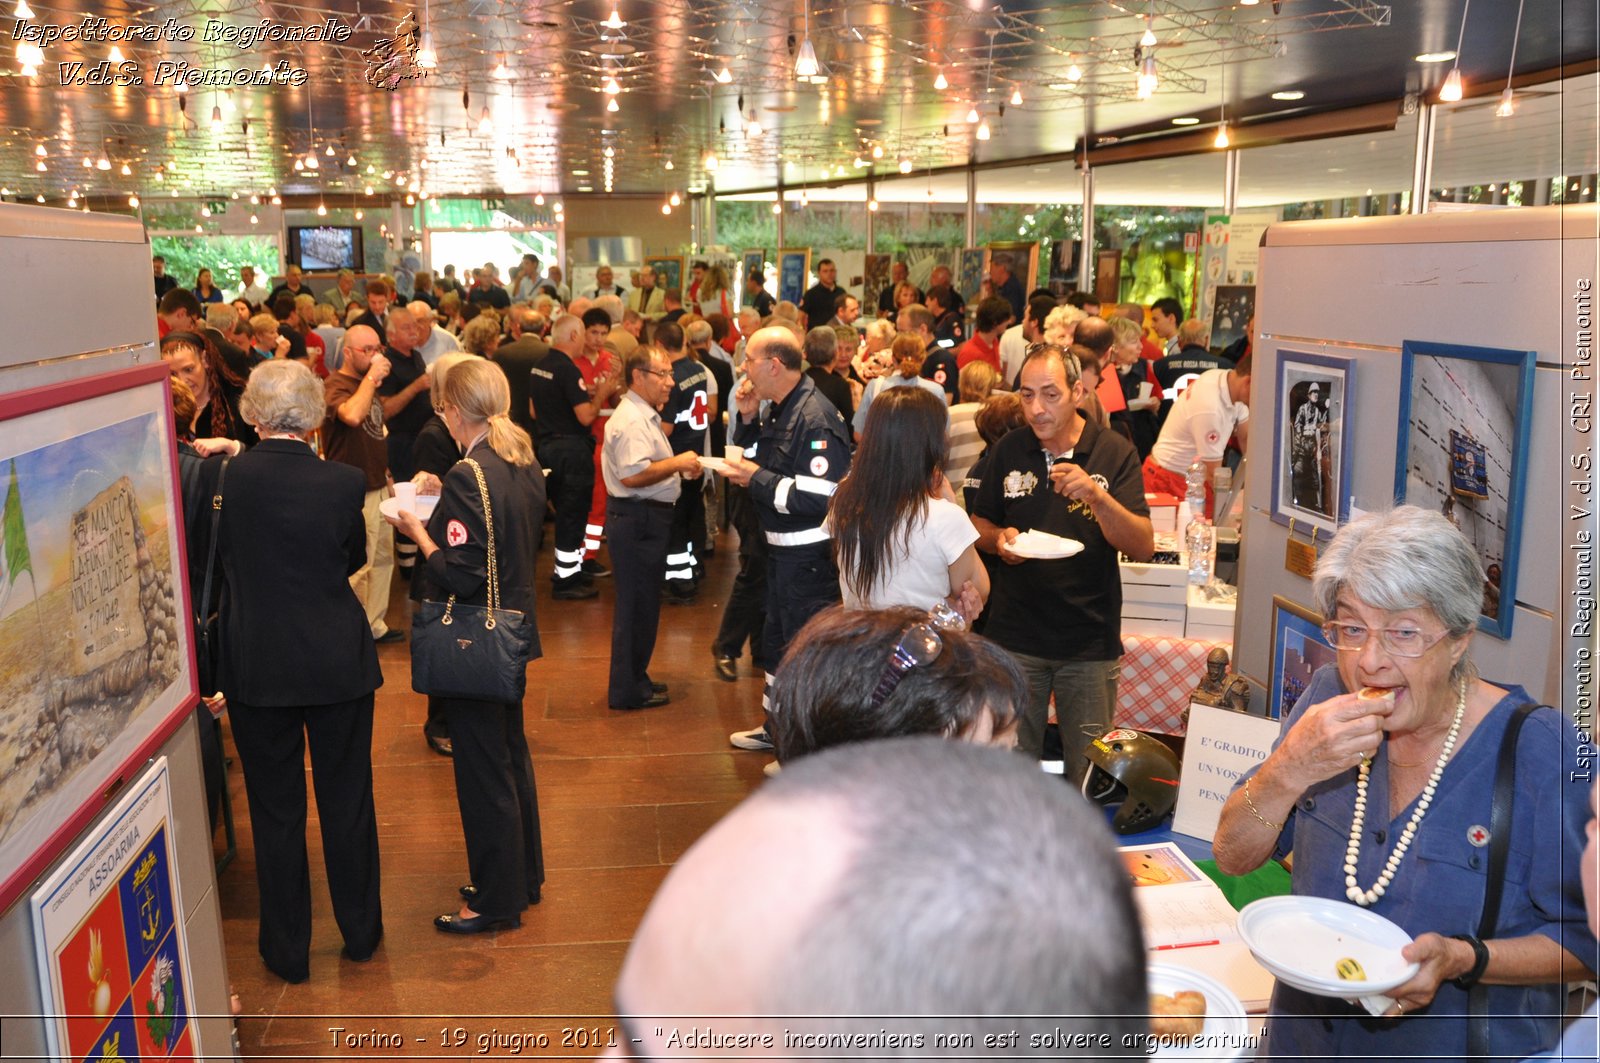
<point>1199,424</point>
<point>1013,349</point>
<point>964,442</point>
<point>919,572</point>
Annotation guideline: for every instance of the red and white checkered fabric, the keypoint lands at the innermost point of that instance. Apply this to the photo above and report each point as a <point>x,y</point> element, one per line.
<point>1158,675</point>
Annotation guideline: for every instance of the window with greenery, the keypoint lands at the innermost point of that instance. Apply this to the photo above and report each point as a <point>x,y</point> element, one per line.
<point>222,255</point>
<point>743,225</point>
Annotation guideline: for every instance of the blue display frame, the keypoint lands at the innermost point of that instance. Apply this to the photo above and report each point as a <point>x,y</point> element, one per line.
<point>1521,405</point>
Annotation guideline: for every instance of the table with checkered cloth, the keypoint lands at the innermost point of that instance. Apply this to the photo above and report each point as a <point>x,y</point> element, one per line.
<point>1158,675</point>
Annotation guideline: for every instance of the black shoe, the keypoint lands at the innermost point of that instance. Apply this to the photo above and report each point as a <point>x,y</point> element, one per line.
<point>360,957</point>
<point>674,596</point>
<point>654,701</point>
<point>658,688</point>
<point>452,923</point>
<point>573,590</point>
<point>394,634</point>
<point>441,745</point>
<point>595,569</point>
<point>728,669</point>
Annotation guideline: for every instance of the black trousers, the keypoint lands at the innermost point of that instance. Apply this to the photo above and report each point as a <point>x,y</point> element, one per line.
<point>745,615</point>
<point>687,540</point>
<point>570,460</point>
<point>801,582</point>
<point>272,743</point>
<point>639,533</point>
<point>499,805</point>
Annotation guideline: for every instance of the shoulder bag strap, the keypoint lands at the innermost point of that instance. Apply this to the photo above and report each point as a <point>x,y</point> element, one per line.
<point>1499,846</point>
<point>493,564</point>
<point>211,550</point>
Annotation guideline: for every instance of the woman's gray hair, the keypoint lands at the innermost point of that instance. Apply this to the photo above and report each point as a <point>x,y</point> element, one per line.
<point>283,396</point>
<point>1405,558</point>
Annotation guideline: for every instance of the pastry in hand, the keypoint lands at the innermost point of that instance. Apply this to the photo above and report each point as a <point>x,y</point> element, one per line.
<point>1180,1015</point>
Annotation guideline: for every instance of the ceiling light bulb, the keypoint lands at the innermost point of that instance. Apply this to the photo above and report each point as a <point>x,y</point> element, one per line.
<point>371,168</point>
<point>668,166</point>
<point>805,200</point>
<point>858,162</point>
<point>311,161</point>
<point>940,82</point>
<point>40,199</point>
<point>103,163</point>
<point>615,21</point>
<point>666,208</point>
<point>369,190</point>
<point>350,162</point>
<point>877,151</point>
<point>501,72</point>
<point>72,201</point>
<point>611,86</point>
<point>777,207</point>
<point>216,118</point>
<point>1074,73</point>
<point>558,208</point>
<point>1248,3</point>
<point>724,76</point>
<point>1507,106</point>
<point>538,199</point>
<point>675,199</point>
<point>329,151</point>
<point>1148,81</point>
<point>972,116</point>
<point>805,61</point>
<point>872,205</point>
<point>273,192</point>
<point>610,152</point>
<point>29,70</point>
<point>133,201</point>
<point>299,165</point>
<point>411,200</point>
<point>160,176</point>
<point>753,129</point>
<point>88,163</point>
<point>611,105</point>
<point>322,210</point>
<point>41,167</point>
<point>427,58</point>
<point>1222,140</point>
<point>205,212</point>
<point>1016,97</point>
<point>1149,38</point>
<point>983,130</point>
<point>277,201</point>
<point>39,151</point>
<point>711,161</point>
<point>1450,92</point>
<point>485,123</point>
<point>127,171</point>
<point>228,105</point>
<point>905,165</point>
<point>360,214</point>
<point>23,10</point>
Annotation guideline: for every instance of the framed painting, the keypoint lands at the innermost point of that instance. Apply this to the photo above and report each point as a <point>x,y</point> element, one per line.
<point>669,270</point>
<point>794,273</point>
<point>974,267</point>
<point>753,262</point>
<point>96,646</point>
<point>1298,650</point>
<point>1463,450</point>
<point>875,278</point>
<point>1311,442</point>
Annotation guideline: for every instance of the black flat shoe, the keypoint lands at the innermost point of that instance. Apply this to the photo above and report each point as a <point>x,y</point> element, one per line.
<point>654,701</point>
<point>658,688</point>
<point>441,746</point>
<point>728,669</point>
<point>451,923</point>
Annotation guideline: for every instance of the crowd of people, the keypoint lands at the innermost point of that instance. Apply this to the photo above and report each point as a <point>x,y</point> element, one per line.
<point>880,476</point>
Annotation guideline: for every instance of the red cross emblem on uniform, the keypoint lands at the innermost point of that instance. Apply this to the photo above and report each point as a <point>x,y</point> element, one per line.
<point>699,412</point>
<point>455,533</point>
<point>1478,836</point>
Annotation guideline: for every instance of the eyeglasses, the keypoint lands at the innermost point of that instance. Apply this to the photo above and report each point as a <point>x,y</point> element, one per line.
<point>663,373</point>
<point>363,349</point>
<point>919,647</point>
<point>1396,641</point>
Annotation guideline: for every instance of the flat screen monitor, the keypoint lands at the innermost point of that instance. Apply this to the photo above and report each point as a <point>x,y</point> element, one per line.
<point>325,247</point>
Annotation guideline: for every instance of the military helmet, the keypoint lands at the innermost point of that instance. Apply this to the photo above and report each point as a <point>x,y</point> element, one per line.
<point>1137,770</point>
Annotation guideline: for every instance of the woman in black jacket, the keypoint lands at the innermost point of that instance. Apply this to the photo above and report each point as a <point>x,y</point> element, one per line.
<point>494,771</point>
<point>298,668</point>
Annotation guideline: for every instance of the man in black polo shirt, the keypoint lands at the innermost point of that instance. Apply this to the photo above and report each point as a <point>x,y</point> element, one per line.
<point>405,411</point>
<point>563,410</point>
<point>1177,370</point>
<point>818,303</point>
<point>1061,619</point>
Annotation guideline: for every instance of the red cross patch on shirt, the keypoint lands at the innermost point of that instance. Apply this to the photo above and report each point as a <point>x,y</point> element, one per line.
<point>455,533</point>
<point>699,412</point>
<point>1478,836</point>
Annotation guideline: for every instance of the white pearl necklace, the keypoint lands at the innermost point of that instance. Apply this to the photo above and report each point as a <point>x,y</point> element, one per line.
<point>1352,856</point>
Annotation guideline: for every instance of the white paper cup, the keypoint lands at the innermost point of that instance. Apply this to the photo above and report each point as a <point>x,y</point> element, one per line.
<point>405,494</point>
<point>734,453</point>
<point>1144,389</point>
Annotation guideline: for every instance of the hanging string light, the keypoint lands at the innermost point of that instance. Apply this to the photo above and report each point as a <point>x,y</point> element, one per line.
<point>1450,92</point>
<point>1507,106</point>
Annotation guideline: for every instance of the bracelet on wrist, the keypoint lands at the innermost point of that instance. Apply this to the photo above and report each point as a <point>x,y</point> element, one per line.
<point>1256,812</point>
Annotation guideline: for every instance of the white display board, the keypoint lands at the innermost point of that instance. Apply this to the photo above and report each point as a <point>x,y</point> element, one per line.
<point>1221,745</point>
<point>108,929</point>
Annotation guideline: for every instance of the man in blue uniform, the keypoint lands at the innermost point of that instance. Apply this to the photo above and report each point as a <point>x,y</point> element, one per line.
<point>686,417</point>
<point>795,457</point>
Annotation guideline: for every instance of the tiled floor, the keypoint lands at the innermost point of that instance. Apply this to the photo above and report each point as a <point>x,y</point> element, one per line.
<point>621,796</point>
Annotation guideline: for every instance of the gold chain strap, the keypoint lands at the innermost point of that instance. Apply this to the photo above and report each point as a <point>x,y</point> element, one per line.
<point>494,566</point>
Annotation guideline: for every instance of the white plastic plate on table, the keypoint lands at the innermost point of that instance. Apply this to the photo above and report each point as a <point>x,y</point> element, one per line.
<point>1226,1032</point>
<point>718,465</point>
<point>1302,939</point>
<point>390,507</point>
<point>1042,546</point>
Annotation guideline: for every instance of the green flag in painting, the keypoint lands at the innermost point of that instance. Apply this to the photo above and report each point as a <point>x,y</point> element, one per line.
<point>16,534</point>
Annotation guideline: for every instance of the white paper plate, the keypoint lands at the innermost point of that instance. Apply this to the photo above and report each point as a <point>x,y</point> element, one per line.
<point>390,507</point>
<point>718,465</point>
<point>1227,1029</point>
<point>1043,546</point>
<point>1301,939</point>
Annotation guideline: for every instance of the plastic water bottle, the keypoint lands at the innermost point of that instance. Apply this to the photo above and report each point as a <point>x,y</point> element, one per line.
<point>1199,537</point>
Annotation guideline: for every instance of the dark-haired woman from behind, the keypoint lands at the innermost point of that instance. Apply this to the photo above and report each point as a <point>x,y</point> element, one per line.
<point>899,537</point>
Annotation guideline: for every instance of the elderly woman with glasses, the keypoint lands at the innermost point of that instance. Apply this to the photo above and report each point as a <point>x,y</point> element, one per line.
<point>1381,784</point>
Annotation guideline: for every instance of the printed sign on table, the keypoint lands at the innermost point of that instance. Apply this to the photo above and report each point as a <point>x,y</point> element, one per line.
<point>114,965</point>
<point>1221,746</point>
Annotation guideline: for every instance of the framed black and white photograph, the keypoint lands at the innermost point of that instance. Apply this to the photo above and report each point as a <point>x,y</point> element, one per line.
<point>1311,442</point>
<point>1463,450</point>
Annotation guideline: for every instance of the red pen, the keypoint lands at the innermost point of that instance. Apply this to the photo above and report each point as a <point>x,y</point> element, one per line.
<point>1185,945</point>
